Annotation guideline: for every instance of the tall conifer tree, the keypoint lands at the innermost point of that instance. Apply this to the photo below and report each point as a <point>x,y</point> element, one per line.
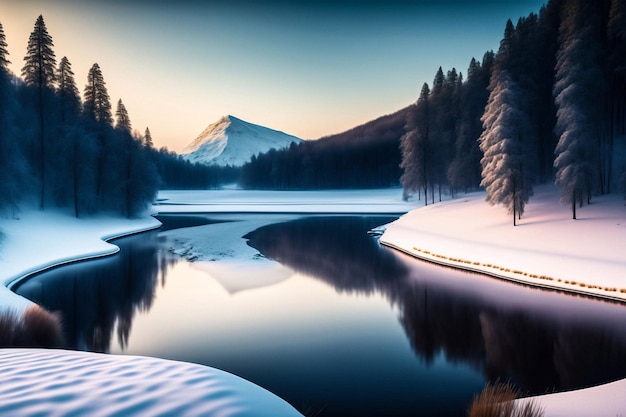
<point>11,170</point>
<point>122,118</point>
<point>67,91</point>
<point>97,103</point>
<point>39,72</point>
<point>416,147</point>
<point>577,91</point>
<point>148,138</point>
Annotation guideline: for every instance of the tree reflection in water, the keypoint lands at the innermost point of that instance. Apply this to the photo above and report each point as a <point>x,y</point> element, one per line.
<point>103,296</point>
<point>537,350</point>
<point>541,341</point>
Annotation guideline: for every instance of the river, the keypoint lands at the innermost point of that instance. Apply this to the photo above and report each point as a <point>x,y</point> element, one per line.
<point>342,327</point>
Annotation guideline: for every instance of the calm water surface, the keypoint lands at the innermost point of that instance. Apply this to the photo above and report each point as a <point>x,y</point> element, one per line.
<point>345,327</point>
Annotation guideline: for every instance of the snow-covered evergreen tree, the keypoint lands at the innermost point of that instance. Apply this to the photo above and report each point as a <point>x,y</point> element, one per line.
<point>415,147</point>
<point>577,91</point>
<point>502,143</point>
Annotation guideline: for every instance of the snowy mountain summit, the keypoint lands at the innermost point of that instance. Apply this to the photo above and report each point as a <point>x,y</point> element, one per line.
<point>232,141</point>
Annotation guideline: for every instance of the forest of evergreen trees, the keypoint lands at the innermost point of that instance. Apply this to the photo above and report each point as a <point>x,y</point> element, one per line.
<point>58,150</point>
<point>549,106</point>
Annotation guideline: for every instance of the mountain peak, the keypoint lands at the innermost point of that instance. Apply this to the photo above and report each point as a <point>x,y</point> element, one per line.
<point>232,141</point>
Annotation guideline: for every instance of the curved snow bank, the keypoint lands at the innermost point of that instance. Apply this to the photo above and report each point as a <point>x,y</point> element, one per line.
<point>603,401</point>
<point>547,249</point>
<point>68,383</point>
<point>41,240</point>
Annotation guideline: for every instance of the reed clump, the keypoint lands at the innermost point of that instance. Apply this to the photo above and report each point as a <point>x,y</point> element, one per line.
<point>498,400</point>
<point>35,327</point>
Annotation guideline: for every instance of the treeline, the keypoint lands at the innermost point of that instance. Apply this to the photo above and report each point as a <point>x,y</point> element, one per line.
<point>59,150</point>
<point>367,156</point>
<point>179,174</point>
<point>550,105</point>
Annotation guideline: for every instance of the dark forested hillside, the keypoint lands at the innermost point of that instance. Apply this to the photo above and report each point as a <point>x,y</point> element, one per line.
<point>367,156</point>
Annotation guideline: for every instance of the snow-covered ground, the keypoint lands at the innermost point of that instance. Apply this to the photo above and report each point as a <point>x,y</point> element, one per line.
<point>36,240</point>
<point>585,255</point>
<point>547,248</point>
<point>37,382</point>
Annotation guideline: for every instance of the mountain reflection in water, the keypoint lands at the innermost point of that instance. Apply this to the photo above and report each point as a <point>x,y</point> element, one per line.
<point>541,341</point>
<point>538,350</point>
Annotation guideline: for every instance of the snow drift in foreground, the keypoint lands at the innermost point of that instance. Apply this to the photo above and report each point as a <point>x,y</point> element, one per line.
<point>232,141</point>
<point>68,383</point>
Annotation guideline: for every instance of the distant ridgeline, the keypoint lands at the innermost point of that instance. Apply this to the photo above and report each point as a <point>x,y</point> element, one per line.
<point>367,156</point>
<point>58,150</point>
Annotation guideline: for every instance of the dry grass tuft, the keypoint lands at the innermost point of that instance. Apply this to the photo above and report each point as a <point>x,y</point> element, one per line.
<point>43,327</point>
<point>498,400</point>
<point>36,327</point>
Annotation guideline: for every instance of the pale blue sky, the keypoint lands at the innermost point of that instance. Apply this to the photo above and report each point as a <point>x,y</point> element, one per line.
<point>309,68</point>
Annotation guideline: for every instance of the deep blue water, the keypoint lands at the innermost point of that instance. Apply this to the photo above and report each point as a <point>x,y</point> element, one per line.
<point>345,327</point>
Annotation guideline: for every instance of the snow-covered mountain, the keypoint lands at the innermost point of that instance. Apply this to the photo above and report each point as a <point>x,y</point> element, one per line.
<point>232,141</point>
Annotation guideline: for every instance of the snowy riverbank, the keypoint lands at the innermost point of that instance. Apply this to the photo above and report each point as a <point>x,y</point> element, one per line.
<point>118,385</point>
<point>548,249</point>
<point>36,240</point>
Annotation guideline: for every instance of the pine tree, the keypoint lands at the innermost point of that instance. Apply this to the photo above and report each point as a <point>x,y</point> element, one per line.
<point>39,72</point>
<point>577,91</point>
<point>438,82</point>
<point>122,119</point>
<point>97,108</point>
<point>464,171</point>
<point>97,104</point>
<point>148,139</point>
<point>67,91</point>
<point>74,159</point>
<point>40,60</point>
<point>11,166</point>
<point>416,147</point>
<point>4,61</point>
<point>503,171</point>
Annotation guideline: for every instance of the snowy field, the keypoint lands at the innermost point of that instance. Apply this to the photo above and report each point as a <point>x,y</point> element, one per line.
<point>68,383</point>
<point>585,255</point>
